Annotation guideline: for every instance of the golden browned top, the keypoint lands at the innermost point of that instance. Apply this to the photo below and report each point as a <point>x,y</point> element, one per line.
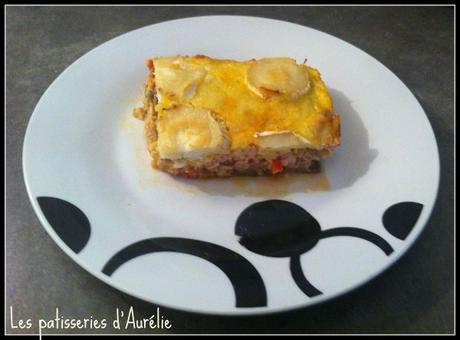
<point>252,98</point>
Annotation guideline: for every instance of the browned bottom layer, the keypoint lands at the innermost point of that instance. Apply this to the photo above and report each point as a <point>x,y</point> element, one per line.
<point>244,162</point>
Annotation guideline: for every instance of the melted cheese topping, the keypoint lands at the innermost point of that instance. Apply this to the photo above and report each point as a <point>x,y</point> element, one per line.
<point>189,132</point>
<point>281,140</point>
<point>272,76</point>
<point>221,87</point>
<point>177,80</point>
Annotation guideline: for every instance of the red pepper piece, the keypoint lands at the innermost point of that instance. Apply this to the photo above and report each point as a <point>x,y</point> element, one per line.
<point>277,166</point>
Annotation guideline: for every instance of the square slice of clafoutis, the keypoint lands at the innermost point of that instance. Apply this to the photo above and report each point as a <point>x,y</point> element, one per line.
<point>208,117</point>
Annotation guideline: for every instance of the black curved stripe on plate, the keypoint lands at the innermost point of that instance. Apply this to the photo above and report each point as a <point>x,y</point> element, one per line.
<point>67,220</point>
<point>299,278</point>
<point>247,283</point>
<point>360,233</point>
<point>400,218</point>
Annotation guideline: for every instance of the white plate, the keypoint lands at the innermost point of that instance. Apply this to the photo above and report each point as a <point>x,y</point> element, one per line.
<point>83,149</point>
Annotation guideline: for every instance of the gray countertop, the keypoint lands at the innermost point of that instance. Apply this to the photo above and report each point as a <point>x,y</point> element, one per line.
<point>416,295</point>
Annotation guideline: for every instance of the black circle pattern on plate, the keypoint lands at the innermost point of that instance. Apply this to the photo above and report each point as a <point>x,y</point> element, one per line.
<point>67,220</point>
<point>400,218</point>
<point>277,228</point>
<point>280,228</point>
<point>247,283</point>
<point>274,228</point>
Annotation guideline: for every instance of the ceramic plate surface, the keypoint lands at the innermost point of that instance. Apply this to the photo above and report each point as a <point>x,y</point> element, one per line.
<point>229,246</point>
